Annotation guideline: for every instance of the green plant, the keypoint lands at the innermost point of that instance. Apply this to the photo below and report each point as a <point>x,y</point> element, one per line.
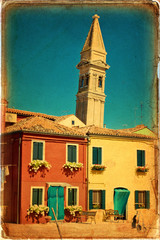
<point>37,210</point>
<point>72,166</point>
<point>35,165</point>
<point>73,209</point>
<point>98,167</point>
<point>142,169</point>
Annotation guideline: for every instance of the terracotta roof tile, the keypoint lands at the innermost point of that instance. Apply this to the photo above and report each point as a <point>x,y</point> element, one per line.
<point>93,130</point>
<point>43,125</point>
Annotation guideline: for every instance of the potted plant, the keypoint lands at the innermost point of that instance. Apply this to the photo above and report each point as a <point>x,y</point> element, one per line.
<point>36,165</point>
<point>72,166</point>
<point>142,169</point>
<point>72,212</point>
<point>98,167</point>
<point>37,213</point>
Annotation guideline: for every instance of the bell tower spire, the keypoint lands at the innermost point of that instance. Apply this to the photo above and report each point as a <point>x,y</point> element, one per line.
<point>91,96</point>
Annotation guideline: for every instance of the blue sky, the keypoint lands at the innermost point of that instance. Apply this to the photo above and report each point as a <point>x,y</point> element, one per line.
<point>43,46</point>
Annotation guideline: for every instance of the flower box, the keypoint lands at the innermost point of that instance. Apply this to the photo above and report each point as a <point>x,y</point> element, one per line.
<point>36,165</point>
<point>72,166</point>
<point>142,169</point>
<point>98,167</point>
<point>71,213</point>
<point>37,213</point>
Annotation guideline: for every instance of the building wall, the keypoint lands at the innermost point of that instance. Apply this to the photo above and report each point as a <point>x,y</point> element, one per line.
<point>119,155</point>
<point>55,154</point>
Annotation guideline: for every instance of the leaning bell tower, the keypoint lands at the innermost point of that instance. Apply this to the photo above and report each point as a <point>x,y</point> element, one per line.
<point>91,96</point>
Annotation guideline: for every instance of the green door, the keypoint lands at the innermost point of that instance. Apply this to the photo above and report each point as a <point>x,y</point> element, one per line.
<point>56,201</point>
<point>121,196</point>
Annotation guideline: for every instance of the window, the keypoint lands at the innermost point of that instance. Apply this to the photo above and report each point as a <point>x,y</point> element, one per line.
<point>72,197</point>
<point>97,155</point>
<point>37,150</point>
<point>142,199</point>
<point>140,158</point>
<point>96,199</point>
<point>81,82</point>
<point>87,79</point>
<point>72,153</point>
<point>73,122</point>
<point>37,196</point>
<point>100,82</point>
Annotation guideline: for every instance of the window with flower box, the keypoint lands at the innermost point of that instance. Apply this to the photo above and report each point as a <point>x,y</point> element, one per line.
<point>72,196</point>
<point>37,196</point>
<point>96,155</point>
<point>142,199</point>
<point>37,150</point>
<point>96,199</point>
<point>140,158</point>
<point>72,153</point>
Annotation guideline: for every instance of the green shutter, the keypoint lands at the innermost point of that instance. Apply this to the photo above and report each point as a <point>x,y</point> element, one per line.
<point>40,150</point>
<point>99,155</point>
<point>74,155</point>
<point>143,158</point>
<point>136,200</point>
<point>35,150</point>
<point>70,196</point>
<point>34,196</point>
<point>90,199</point>
<point>147,198</point>
<point>94,157</point>
<point>103,199</point>
<point>69,153</point>
<point>139,158</point>
<point>40,196</point>
<point>74,196</point>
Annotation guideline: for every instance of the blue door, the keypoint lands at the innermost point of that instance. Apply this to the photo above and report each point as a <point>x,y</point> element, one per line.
<point>56,201</point>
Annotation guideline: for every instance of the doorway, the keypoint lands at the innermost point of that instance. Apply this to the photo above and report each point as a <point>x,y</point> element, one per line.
<point>56,201</point>
<point>121,196</point>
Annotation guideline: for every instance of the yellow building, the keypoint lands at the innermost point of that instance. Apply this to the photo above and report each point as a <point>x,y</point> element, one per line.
<point>121,172</point>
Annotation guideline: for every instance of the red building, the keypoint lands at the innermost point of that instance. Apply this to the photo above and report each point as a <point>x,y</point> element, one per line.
<point>37,140</point>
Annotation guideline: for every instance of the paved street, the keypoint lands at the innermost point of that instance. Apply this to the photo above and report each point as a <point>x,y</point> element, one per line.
<point>75,230</point>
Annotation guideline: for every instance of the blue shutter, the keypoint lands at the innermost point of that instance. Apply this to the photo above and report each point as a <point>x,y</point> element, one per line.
<point>94,157</point>
<point>143,158</point>
<point>136,200</point>
<point>103,199</point>
<point>139,158</point>
<point>99,155</point>
<point>90,199</point>
<point>147,198</point>
<point>35,150</point>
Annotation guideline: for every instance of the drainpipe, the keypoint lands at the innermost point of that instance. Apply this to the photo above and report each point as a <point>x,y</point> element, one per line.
<point>18,180</point>
<point>88,142</point>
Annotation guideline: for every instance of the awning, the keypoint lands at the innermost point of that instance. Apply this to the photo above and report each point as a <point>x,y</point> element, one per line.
<point>120,200</point>
<point>62,184</point>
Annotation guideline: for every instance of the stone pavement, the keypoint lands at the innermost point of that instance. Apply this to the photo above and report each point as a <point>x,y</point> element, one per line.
<point>73,230</point>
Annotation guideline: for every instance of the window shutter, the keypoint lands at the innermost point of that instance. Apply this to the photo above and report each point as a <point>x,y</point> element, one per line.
<point>69,153</point>
<point>70,196</point>
<point>99,155</point>
<point>40,150</point>
<point>35,150</point>
<point>143,158</point>
<point>40,196</point>
<point>94,158</point>
<point>74,148</point>
<point>103,199</point>
<point>75,197</point>
<point>147,197</point>
<point>136,200</point>
<point>90,199</point>
<point>139,158</point>
<point>34,196</point>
